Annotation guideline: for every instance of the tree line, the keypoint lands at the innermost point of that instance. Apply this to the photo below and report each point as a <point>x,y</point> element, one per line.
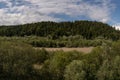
<point>65,41</point>
<point>88,29</point>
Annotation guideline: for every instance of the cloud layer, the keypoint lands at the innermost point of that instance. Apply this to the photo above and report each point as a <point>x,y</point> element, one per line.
<point>27,11</point>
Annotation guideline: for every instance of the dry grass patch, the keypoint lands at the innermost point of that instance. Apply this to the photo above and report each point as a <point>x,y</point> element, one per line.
<point>84,49</point>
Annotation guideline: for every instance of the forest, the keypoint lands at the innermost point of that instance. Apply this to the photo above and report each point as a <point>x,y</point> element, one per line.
<point>19,60</point>
<point>87,29</point>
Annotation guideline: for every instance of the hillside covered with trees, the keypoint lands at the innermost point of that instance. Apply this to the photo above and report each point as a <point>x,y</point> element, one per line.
<point>87,29</point>
<point>20,60</point>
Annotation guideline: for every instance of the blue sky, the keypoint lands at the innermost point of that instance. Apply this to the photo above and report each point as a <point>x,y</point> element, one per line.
<point>115,15</point>
<point>14,12</point>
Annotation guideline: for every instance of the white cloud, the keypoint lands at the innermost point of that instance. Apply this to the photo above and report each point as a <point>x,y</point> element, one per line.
<point>117,26</point>
<point>45,10</point>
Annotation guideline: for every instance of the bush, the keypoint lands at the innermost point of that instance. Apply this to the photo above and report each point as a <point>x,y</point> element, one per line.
<point>75,71</point>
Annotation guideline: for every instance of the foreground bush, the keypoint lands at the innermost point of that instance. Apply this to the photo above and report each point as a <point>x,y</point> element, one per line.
<point>17,59</point>
<point>75,71</point>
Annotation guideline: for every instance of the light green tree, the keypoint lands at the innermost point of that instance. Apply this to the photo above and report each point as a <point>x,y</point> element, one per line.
<point>110,70</point>
<point>75,71</point>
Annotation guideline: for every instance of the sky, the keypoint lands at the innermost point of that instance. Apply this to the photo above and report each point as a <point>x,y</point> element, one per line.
<point>13,12</point>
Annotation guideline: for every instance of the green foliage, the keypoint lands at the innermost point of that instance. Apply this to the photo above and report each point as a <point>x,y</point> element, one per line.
<point>88,29</point>
<point>17,60</point>
<point>59,61</point>
<point>75,71</point>
<point>14,59</point>
<point>110,70</point>
<point>20,61</point>
<point>116,48</point>
<point>65,41</point>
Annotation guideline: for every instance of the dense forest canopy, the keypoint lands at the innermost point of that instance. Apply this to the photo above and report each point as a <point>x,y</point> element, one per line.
<point>87,29</point>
